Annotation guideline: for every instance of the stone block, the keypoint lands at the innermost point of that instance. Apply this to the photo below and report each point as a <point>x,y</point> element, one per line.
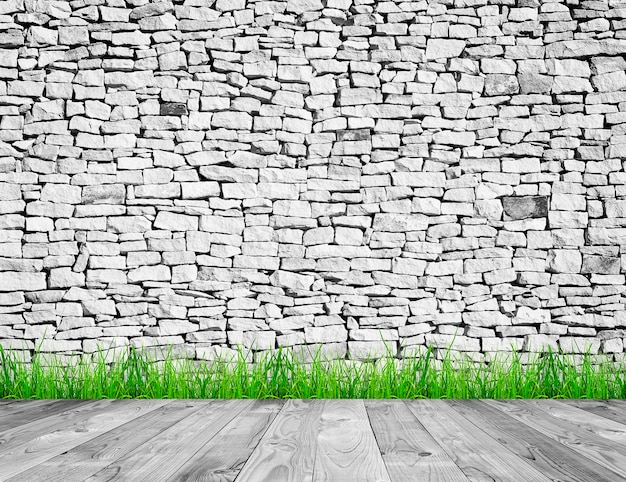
<point>501,84</point>
<point>61,194</point>
<point>399,223</point>
<point>175,222</point>
<point>600,264</point>
<point>21,281</point>
<point>173,108</point>
<point>104,194</point>
<point>564,261</point>
<point>443,48</point>
<point>524,207</point>
<point>232,120</point>
<point>65,278</point>
<point>292,281</point>
<point>149,273</point>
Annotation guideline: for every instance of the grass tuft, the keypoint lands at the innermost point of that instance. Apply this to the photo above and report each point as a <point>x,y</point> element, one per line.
<point>280,374</point>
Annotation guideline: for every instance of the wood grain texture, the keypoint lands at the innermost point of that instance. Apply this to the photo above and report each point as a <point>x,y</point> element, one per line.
<point>314,440</point>
<point>88,458</point>
<point>222,458</point>
<point>160,458</point>
<point>410,453</point>
<point>612,409</point>
<point>595,424</point>
<point>29,445</point>
<point>477,454</point>
<point>21,412</point>
<point>551,459</point>
<point>347,449</point>
<point>287,450</point>
<point>592,446</point>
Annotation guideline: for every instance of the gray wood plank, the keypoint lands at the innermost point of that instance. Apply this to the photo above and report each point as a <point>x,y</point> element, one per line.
<point>477,454</point>
<point>36,442</point>
<point>592,446</point>
<point>23,432</point>
<point>552,459</point>
<point>163,455</point>
<point>287,450</point>
<point>409,451</point>
<point>27,411</point>
<point>223,457</point>
<point>583,421</point>
<point>347,449</point>
<point>312,440</point>
<point>612,409</point>
<point>88,458</point>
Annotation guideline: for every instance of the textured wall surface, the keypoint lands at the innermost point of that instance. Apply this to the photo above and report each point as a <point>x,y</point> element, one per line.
<point>207,174</point>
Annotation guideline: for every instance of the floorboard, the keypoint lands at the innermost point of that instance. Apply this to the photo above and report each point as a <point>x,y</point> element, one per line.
<point>312,440</point>
<point>612,409</point>
<point>89,458</point>
<point>410,453</point>
<point>614,431</point>
<point>346,447</point>
<point>19,413</point>
<point>222,458</point>
<point>287,450</point>
<point>552,459</point>
<point>29,445</point>
<point>478,455</point>
<point>589,445</point>
<point>161,457</point>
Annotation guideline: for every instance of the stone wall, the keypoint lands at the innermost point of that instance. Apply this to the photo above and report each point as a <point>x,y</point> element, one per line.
<point>214,173</point>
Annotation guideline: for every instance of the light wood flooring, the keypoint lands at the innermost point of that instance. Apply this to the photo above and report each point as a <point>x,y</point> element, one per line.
<point>312,440</point>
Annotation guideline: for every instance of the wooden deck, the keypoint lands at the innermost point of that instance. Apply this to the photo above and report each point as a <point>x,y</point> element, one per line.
<point>313,440</point>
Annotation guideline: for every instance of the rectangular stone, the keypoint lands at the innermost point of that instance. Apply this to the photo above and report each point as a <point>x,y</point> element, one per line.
<point>20,281</point>
<point>222,224</point>
<point>175,222</point>
<point>399,223</point>
<point>419,179</point>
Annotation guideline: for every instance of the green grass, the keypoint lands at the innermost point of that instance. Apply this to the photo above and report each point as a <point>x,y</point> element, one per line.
<point>279,374</point>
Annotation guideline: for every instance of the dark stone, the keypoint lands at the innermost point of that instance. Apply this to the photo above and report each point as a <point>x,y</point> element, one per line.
<point>600,264</point>
<point>354,135</point>
<point>535,83</point>
<point>524,207</point>
<point>501,84</point>
<point>104,194</point>
<point>173,108</point>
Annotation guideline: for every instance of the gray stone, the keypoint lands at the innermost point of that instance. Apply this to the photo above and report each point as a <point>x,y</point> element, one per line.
<point>65,278</point>
<point>18,281</point>
<point>149,273</point>
<point>400,223</point>
<point>586,48</point>
<point>524,207</point>
<point>61,193</point>
<point>173,108</point>
<point>600,264</point>
<point>232,120</point>
<point>291,281</point>
<point>176,222</point>
<point>443,48</point>
<point>564,261</point>
<point>499,84</point>
<point>104,194</point>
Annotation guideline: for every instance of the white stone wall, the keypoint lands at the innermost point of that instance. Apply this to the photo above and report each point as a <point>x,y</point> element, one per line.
<point>207,174</point>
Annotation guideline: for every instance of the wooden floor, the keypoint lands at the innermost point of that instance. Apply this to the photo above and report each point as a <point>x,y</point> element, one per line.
<point>313,440</point>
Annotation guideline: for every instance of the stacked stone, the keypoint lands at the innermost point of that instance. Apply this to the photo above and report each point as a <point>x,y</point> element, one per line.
<point>366,175</point>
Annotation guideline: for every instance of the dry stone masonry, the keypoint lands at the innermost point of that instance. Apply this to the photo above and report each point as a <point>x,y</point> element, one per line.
<point>207,174</point>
